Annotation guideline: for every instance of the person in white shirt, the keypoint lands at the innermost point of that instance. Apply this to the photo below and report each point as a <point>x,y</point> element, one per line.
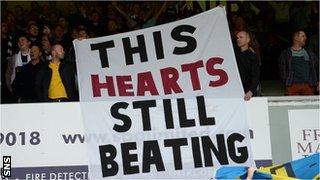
<point>18,60</point>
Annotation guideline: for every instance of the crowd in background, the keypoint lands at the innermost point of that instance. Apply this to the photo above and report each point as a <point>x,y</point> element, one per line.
<point>32,33</point>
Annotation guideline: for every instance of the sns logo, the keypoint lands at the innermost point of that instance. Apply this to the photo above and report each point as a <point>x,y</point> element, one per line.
<point>6,168</point>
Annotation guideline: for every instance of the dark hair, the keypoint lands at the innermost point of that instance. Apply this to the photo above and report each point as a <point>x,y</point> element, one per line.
<point>82,28</point>
<point>35,44</point>
<point>57,25</point>
<point>51,41</point>
<point>29,25</point>
<point>20,35</point>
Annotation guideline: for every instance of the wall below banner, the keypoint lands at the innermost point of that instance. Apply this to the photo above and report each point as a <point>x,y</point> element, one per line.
<point>279,110</point>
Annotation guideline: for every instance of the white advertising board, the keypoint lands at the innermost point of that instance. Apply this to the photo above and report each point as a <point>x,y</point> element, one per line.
<point>304,132</point>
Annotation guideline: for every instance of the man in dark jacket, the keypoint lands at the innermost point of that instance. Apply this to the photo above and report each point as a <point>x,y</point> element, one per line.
<point>298,67</point>
<point>55,81</point>
<point>24,83</point>
<point>248,64</point>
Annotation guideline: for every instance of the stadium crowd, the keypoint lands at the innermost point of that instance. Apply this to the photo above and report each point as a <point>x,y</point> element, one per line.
<point>38,60</point>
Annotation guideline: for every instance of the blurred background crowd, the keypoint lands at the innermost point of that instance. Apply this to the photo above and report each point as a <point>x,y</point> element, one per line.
<point>39,25</point>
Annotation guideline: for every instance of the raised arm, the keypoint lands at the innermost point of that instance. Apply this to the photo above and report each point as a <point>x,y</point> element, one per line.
<point>163,7</point>
<point>114,4</point>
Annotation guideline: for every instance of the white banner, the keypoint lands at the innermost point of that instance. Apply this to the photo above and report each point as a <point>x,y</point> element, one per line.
<point>185,58</point>
<point>168,98</point>
<point>304,132</point>
<point>258,119</point>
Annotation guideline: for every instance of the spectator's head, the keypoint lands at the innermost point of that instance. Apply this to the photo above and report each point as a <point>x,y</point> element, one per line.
<point>62,22</point>
<point>233,16</point>
<point>111,14</point>
<point>23,43</point>
<point>45,9</point>
<point>18,10</point>
<point>4,28</point>
<point>136,8</point>
<point>59,32</point>
<point>246,6</point>
<point>142,14</point>
<point>31,22</point>
<point>53,17</point>
<point>243,39</point>
<point>34,5</point>
<point>260,25</point>
<point>33,30</point>
<point>30,15</point>
<point>299,38</point>
<point>95,17</point>
<point>112,26</point>
<point>99,9</point>
<point>82,34</point>
<point>82,8</point>
<point>74,33</point>
<point>10,19</point>
<point>57,52</point>
<point>72,8</point>
<point>239,23</point>
<point>35,52</point>
<point>46,44</point>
